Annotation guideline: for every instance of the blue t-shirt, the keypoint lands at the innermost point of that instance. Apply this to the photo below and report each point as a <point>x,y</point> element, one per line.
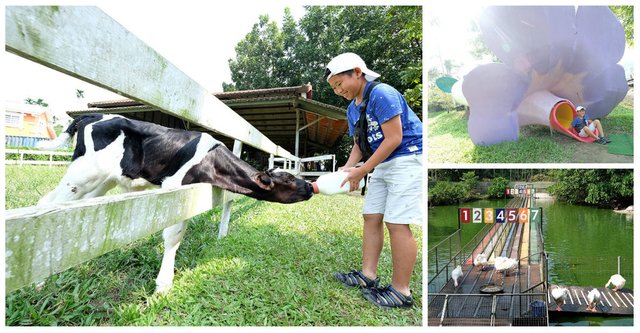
<point>385,102</point>
<point>578,123</point>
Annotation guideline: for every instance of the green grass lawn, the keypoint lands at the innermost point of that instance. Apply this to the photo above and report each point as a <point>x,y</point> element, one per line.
<point>274,268</point>
<point>449,142</point>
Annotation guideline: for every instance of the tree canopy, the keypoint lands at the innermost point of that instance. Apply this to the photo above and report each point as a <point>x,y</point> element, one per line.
<point>625,15</point>
<point>388,38</point>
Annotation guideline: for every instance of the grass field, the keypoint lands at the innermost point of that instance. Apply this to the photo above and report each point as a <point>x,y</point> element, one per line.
<point>449,141</point>
<point>275,269</point>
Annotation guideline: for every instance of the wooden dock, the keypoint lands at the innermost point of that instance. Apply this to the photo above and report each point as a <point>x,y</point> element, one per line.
<point>611,303</point>
<point>485,297</point>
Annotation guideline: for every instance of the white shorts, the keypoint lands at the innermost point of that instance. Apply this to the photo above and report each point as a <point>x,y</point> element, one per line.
<point>591,126</point>
<point>395,190</point>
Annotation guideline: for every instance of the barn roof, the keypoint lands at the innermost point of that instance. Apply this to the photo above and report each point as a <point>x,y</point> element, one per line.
<point>275,112</point>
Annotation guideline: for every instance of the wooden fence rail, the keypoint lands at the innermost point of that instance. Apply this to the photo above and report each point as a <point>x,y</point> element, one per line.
<point>43,241</point>
<point>87,44</point>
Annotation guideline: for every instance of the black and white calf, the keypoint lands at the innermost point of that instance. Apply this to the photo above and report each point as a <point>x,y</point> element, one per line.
<point>115,151</point>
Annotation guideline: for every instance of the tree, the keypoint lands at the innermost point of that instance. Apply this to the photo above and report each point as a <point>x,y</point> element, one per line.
<point>611,188</point>
<point>388,38</point>
<point>498,187</point>
<point>625,15</point>
<point>39,101</point>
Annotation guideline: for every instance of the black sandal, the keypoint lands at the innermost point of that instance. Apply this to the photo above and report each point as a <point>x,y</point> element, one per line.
<point>387,298</point>
<point>355,279</point>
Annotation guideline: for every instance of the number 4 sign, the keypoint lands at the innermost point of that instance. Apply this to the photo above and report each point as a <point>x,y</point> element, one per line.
<point>500,215</point>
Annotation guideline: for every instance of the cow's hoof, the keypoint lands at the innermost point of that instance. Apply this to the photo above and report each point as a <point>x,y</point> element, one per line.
<point>162,288</point>
<point>40,285</point>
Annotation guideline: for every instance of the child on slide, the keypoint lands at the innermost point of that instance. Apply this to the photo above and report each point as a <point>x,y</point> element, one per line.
<point>586,127</point>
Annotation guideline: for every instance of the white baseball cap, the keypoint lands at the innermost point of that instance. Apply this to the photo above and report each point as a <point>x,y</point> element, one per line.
<point>580,108</point>
<point>348,61</point>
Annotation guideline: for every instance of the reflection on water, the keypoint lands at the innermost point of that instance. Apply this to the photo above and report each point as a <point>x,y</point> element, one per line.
<point>583,244</point>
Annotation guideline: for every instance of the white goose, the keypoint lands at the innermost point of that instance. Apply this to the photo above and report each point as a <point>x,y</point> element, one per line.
<point>481,260</point>
<point>504,264</point>
<point>456,275</point>
<point>593,297</point>
<point>559,295</point>
<point>617,281</point>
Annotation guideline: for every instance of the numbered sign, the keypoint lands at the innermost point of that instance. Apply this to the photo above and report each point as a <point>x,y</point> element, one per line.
<point>501,215</point>
<point>523,215</point>
<point>489,216</point>
<point>508,191</point>
<point>533,191</point>
<point>528,191</point>
<point>476,215</point>
<point>536,215</point>
<point>520,191</point>
<point>512,215</point>
<point>465,215</point>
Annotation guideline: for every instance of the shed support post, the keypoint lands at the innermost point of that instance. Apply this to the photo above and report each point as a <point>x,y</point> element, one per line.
<point>296,152</point>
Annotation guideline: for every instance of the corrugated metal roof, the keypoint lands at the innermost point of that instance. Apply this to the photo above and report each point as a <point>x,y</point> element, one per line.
<point>271,111</point>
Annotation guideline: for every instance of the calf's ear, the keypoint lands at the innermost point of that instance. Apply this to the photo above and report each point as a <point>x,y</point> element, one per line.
<point>263,180</point>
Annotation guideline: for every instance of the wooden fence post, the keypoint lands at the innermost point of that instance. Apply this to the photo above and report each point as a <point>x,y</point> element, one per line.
<point>228,198</point>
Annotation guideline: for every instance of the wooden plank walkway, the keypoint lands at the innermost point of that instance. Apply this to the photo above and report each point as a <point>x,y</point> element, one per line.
<point>611,303</point>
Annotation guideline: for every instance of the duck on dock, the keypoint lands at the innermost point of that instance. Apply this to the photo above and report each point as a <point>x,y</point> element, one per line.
<point>559,295</point>
<point>481,260</point>
<point>617,281</point>
<point>456,275</point>
<point>505,264</point>
<point>593,297</point>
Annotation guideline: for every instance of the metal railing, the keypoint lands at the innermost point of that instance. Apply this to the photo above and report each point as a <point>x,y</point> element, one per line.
<point>49,162</point>
<point>522,309</point>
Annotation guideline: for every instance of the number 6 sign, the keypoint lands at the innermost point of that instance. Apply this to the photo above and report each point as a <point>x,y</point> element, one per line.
<point>523,216</point>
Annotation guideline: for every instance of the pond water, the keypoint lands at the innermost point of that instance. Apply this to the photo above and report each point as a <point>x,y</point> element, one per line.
<point>583,244</point>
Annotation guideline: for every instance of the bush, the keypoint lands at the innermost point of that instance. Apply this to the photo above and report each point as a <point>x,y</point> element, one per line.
<point>439,100</point>
<point>600,187</point>
<point>498,187</point>
<point>469,180</point>
<point>446,193</point>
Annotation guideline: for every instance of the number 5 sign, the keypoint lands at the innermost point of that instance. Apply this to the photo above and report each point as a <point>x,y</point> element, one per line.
<point>512,215</point>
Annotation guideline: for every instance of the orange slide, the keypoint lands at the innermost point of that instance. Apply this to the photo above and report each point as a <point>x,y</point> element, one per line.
<point>560,119</point>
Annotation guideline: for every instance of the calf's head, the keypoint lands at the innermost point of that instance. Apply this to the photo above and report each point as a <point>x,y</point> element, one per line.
<point>283,187</point>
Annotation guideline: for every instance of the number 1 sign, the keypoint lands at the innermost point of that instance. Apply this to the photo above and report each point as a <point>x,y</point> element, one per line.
<point>465,215</point>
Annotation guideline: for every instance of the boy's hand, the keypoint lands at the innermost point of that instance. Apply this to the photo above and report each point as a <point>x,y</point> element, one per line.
<point>353,178</point>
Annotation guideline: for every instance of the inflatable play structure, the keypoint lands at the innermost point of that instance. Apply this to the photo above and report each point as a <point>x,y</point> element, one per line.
<point>554,58</point>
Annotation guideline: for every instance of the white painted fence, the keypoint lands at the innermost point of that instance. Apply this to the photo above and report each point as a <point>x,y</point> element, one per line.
<point>49,162</point>
<point>85,43</point>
